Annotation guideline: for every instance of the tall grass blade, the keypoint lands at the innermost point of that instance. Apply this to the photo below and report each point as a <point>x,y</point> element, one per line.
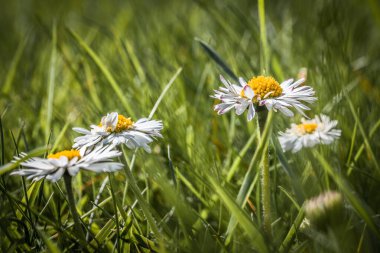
<point>241,217</point>
<point>50,246</point>
<point>7,86</point>
<point>215,56</point>
<point>141,200</point>
<point>246,187</point>
<point>51,83</point>
<point>167,87</point>
<point>107,74</point>
<point>293,229</point>
<point>264,52</point>
<point>373,158</point>
<point>135,61</point>
<point>237,160</point>
<point>14,164</point>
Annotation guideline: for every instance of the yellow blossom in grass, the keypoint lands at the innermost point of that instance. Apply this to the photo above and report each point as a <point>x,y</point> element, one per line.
<point>307,128</point>
<point>70,154</point>
<point>265,86</point>
<point>123,123</point>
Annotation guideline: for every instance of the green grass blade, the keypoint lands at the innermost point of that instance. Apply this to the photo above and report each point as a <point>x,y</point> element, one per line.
<point>135,61</point>
<point>246,187</point>
<point>241,217</point>
<point>51,83</point>
<point>289,195</point>
<point>13,165</point>
<point>144,206</point>
<point>115,211</point>
<point>107,74</point>
<point>264,52</point>
<point>364,135</point>
<point>293,229</point>
<point>50,246</point>
<point>2,141</point>
<point>236,162</point>
<point>13,67</point>
<point>60,136</point>
<point>215,56</point>
<point>167,87</point>
<point>289,170</point>
<point>191,187</point>
<point>361,148</point>
<point>333,103</point>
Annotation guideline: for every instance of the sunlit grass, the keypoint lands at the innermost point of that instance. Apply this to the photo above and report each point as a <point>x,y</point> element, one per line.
<point>67,64</point>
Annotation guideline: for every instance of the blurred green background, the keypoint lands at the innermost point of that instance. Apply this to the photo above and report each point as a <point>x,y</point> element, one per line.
<point>67,63</point>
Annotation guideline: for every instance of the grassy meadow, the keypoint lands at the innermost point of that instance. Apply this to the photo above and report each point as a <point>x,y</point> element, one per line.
<point>65,64</point>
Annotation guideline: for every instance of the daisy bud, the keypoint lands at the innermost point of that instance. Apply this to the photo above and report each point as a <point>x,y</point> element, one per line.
<point>325,210</point>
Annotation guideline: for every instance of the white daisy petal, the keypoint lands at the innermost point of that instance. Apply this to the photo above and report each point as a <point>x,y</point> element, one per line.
<point>81,130</point>
<point>251,112</point>
<point>248,92</point>
<point>264,91</point>
<point>70,161</point>
<point>54,177</point>
<point>115,129</point>
<point>319,130</point>
<point>240,108</point>
<point>242,82</point>
<point>285,96</point>
<point>233,96</point>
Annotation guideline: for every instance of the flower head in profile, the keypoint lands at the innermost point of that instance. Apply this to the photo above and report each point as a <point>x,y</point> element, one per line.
<point>319,130</point>
<point>263,91</point>
<point>69,161</point>
<point>325,210</point>
<point>115,129</point>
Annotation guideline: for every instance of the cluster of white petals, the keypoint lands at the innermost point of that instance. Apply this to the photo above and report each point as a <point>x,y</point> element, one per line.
<point>319,130</point>
<point>242,96</point>
<point>135,135</point>
<point>98,160</point>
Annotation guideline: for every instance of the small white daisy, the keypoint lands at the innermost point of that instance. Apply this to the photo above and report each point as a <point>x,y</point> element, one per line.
<point>320,130</point>
<point>115,129</point>
<point>234,96</point>
<point>70,161</point>
<point>264,91</point>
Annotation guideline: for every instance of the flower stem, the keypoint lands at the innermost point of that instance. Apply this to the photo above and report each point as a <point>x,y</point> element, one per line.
<point>265,177</point>
<point>265,181</point>
<point>70,196</point>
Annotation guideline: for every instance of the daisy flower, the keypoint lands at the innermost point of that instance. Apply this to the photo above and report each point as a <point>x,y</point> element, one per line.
<point>263,91</point>
<point>325,210</point>
<point>115,129</point>
<point>320,130</point>
<point>69,161</point>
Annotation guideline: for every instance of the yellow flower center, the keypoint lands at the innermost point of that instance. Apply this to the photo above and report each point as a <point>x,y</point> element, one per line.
<point>262,85</point>
<point>123,123</point>
<point>70,154</point>
<point>307,127</point>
